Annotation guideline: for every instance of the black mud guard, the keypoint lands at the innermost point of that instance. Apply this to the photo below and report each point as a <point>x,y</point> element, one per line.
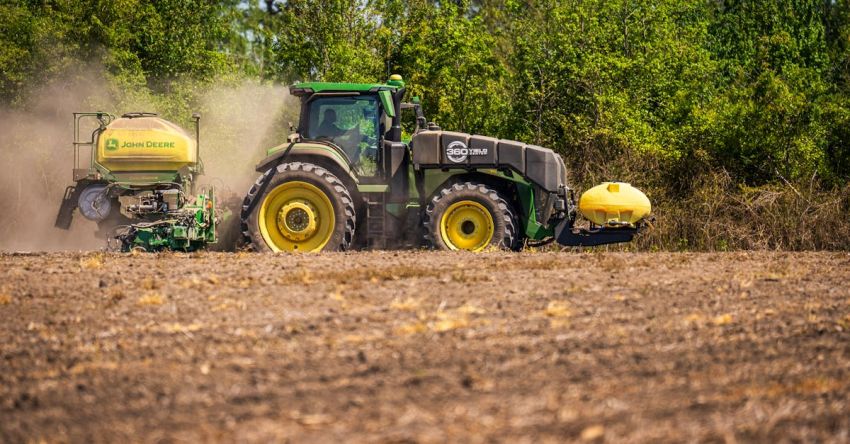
<point>69,204</point>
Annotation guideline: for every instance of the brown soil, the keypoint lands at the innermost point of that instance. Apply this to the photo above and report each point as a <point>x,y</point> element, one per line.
<point>427,347</point>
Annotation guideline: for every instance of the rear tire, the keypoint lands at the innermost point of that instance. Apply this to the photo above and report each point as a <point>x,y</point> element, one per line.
<point>304,208</point>
<point>470,216</point>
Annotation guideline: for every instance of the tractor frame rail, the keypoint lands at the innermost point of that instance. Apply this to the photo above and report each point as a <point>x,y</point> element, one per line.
<point>582,237</point>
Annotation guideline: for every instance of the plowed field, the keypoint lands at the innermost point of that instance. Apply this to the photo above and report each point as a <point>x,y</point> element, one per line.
<point>425,347</point>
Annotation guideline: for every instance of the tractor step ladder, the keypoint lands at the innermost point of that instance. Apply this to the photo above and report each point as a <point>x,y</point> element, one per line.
<point>375,221</point>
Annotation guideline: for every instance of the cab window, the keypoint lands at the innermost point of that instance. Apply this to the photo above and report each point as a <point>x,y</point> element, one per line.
<point>353,124</point>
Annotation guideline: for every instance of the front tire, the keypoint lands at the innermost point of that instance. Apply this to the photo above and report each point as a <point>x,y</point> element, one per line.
<point>304,208</point>
<point>470,216</point>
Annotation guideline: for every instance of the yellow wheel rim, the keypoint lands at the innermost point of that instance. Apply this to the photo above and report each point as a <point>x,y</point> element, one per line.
<point>296,216</point>
<point>466,225</point>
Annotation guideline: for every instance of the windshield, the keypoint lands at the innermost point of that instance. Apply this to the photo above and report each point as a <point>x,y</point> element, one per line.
<point>352,123</point>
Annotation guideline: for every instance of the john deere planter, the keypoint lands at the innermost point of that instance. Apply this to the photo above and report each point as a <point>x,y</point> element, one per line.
<point>135,177</point>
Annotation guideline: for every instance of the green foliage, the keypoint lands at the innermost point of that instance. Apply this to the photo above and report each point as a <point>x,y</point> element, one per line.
<point>774,65</point>
<point>607,76</point>
<point>35,44</point>
<point>327,40</point>
<point>450,62</point>
<point>141,47</point>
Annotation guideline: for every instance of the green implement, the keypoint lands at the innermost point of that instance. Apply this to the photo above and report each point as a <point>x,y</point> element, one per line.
<point>135,178</point>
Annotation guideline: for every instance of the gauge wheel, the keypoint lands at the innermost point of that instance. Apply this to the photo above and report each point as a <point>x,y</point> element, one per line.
<point>304,208</point>
<point>470,216</point>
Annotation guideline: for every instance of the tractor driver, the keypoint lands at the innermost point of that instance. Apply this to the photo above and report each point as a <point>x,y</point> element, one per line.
<point>348,140</point>
<point>328,126</point>
<point>356,144</point>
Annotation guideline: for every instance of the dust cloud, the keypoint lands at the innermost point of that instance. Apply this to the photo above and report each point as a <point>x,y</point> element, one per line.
<point>238,123</point>
<point>36,157</point>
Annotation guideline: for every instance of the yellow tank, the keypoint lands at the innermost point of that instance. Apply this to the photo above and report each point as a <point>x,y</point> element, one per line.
<point>145,144</point>
<point>614,203</point>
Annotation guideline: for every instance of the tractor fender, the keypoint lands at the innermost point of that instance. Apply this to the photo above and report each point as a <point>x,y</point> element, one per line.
<point>324,153</point>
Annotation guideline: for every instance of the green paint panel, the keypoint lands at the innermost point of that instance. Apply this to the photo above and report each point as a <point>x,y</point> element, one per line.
<point>533,229</point>
<point>372,188</point>
<point>387,101</point>
<point>435,178</point>
<point>140,178</point>
<point>395,209</point>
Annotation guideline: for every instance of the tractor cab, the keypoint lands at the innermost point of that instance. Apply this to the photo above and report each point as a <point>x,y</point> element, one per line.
<point>353,123</point>
<point>353,118</point>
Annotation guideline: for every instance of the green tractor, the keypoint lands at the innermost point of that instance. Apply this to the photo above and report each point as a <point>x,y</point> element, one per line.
<point>348,178</point>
